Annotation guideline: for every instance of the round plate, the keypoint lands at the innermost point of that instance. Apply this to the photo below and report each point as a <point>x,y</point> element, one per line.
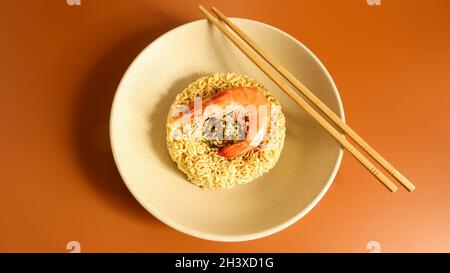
<point>304,172</point>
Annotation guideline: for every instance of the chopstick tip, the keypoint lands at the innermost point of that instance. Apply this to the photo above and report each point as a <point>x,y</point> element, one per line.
<point>392,188</point>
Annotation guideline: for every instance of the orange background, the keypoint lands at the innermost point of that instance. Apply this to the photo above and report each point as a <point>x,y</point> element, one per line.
<point>61,64</point>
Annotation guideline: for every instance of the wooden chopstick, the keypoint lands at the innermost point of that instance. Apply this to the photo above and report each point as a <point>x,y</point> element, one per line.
<point>316,101</point>
<point>301,102</point>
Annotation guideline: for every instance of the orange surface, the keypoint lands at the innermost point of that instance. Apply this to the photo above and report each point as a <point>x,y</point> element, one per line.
<point>60,66</point>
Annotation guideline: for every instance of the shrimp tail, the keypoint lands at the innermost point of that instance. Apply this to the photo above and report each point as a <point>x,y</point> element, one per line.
<point>235,150</point>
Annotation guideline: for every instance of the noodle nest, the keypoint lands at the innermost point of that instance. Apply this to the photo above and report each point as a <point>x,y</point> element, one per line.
<point>199,160</point>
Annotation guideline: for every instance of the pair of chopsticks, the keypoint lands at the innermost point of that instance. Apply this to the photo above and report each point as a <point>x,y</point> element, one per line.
<point>221,22</point>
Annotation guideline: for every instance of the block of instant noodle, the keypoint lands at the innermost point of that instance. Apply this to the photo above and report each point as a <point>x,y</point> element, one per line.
<point>198,147</point>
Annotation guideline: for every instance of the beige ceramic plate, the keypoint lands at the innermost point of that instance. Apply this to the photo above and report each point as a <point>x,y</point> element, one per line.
<point>305,171</point>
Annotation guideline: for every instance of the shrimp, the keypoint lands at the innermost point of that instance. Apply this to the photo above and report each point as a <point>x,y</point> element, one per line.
<point>246,101</point>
